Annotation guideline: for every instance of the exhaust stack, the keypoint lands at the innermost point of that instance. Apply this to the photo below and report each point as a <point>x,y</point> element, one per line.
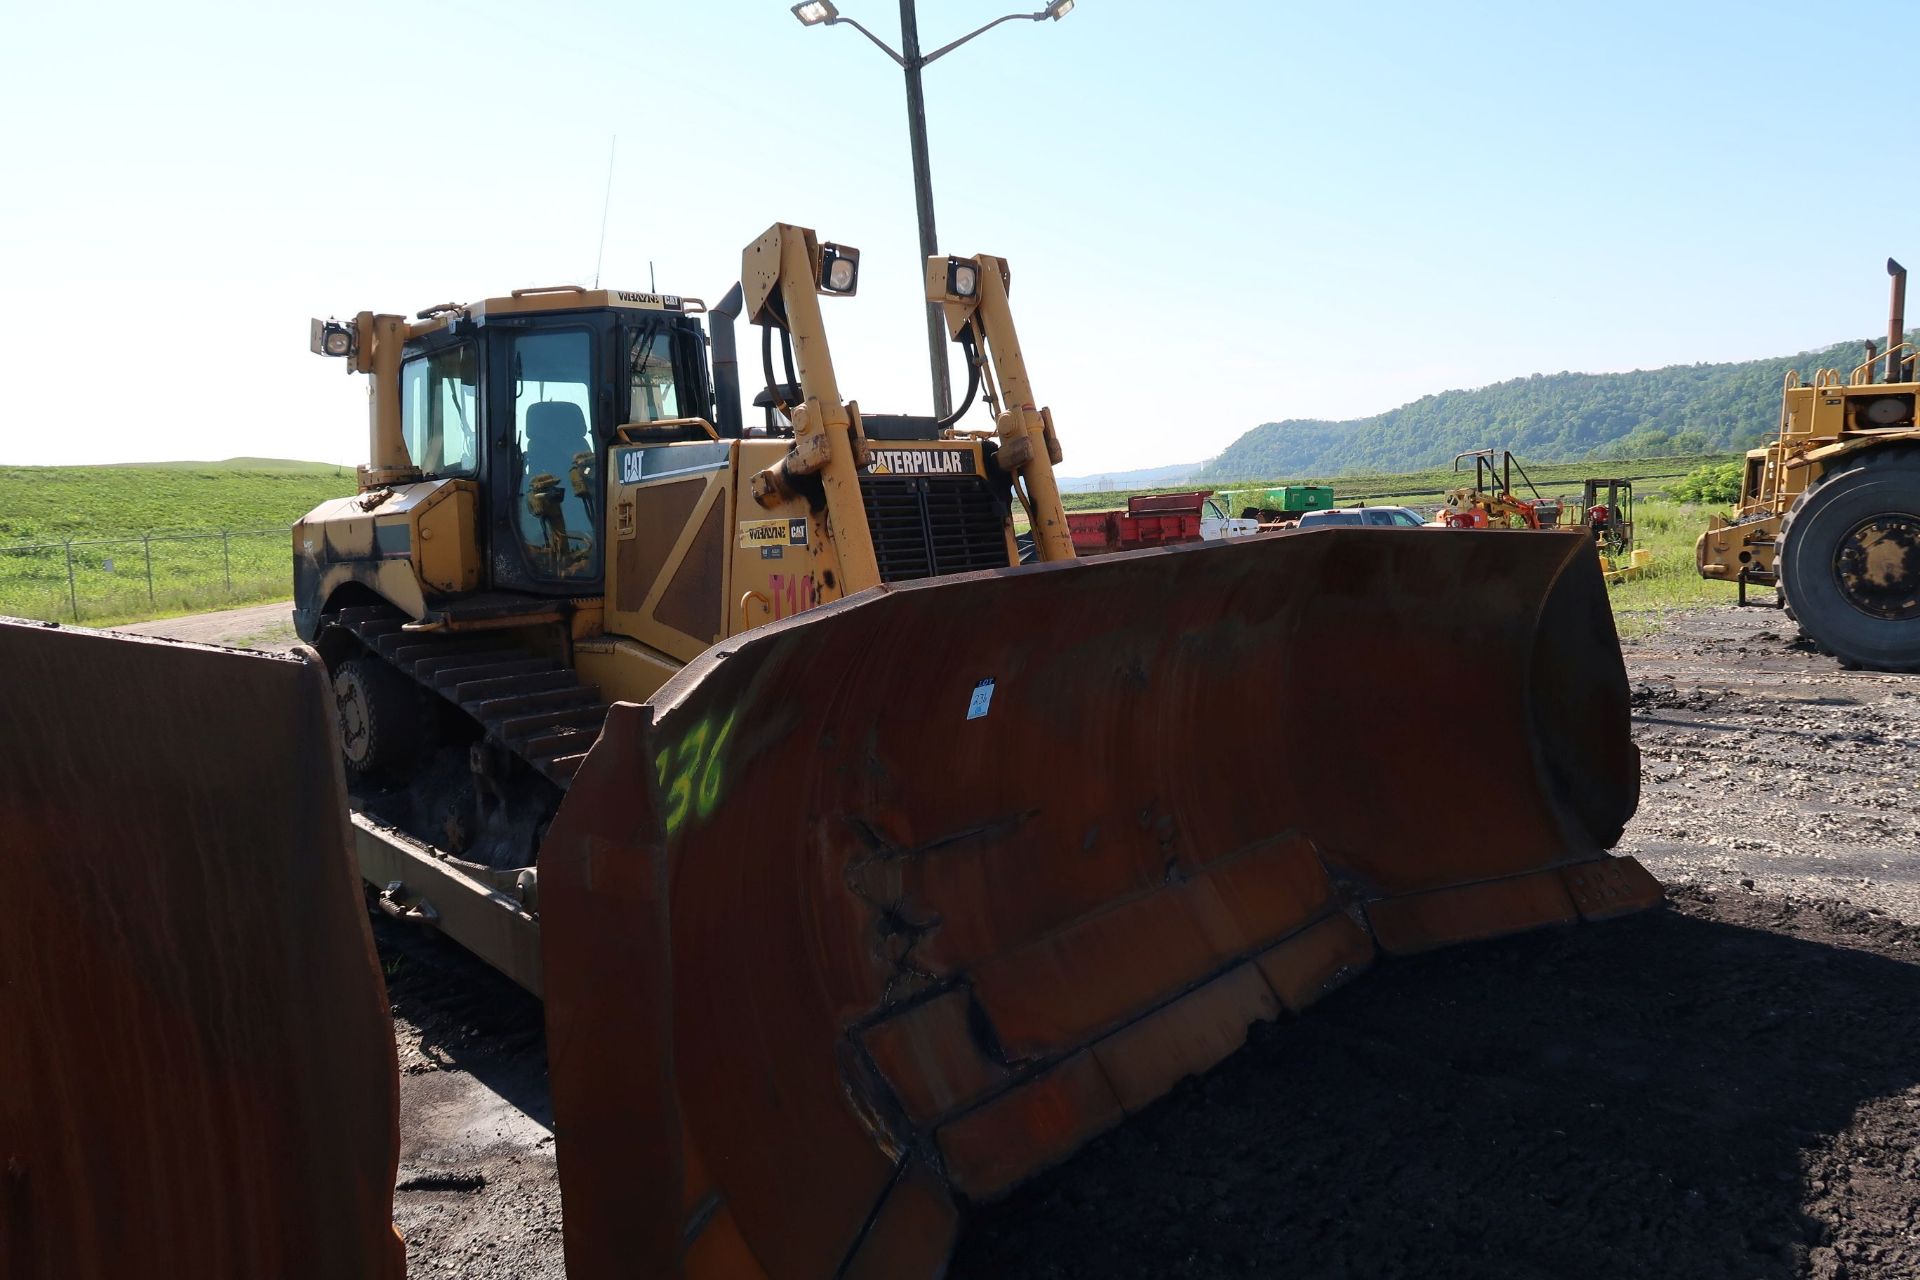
<point>1896,320</point>
<point>726,364</point>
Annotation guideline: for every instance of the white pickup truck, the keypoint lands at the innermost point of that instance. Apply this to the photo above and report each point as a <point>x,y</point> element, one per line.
<point>1216,524</point>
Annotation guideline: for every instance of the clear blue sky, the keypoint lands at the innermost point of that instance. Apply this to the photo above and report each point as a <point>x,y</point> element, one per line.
<point>1240,213</point>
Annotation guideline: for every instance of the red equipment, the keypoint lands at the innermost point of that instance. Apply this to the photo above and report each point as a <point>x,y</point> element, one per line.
<point>1150,520</point>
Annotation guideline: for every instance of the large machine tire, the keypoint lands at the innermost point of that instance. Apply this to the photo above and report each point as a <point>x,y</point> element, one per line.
<point>381,722</point>
<point>1850,562</point>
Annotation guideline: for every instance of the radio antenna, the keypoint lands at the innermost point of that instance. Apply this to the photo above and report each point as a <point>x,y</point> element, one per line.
<point>600,254</point>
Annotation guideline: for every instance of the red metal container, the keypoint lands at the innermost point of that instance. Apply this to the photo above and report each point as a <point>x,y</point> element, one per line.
<point>1150,520</point>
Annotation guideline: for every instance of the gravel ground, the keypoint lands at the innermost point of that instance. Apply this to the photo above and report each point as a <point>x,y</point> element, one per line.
<point>1764,761</point>
<point>1727,1087</point>
<point>477,1194</point>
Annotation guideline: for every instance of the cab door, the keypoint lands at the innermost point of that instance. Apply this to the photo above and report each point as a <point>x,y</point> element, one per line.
<point>553,410</point>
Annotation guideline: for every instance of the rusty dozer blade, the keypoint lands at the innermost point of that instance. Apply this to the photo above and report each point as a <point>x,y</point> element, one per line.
<point>197,1072</point>
<point>886,907</point>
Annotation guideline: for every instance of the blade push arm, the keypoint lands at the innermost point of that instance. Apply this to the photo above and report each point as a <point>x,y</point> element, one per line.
<point>781,274</point>
<point>1029,449</point>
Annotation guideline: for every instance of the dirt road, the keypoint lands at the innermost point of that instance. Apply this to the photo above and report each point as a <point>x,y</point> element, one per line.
<point>1727,1088</point>
<point>260,626</point>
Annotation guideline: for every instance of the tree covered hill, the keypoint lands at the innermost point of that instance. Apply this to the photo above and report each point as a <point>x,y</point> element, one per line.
<point>1681,409</point>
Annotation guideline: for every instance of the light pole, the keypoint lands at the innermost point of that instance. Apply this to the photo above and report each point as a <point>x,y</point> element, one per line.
<point>822,12</point>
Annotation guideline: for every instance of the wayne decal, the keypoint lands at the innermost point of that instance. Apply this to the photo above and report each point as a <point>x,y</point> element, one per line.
<point>773,533</point>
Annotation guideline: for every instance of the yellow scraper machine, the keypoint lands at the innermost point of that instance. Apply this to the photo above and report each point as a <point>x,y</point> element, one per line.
<point>864,870</point>
<point>1829,509</point>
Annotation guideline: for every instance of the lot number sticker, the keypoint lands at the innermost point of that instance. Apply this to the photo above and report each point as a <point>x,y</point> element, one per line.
<point>982,698</point>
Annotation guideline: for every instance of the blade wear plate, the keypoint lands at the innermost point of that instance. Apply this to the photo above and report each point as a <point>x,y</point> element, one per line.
<point>830,945</point>
<point>198,1074</point>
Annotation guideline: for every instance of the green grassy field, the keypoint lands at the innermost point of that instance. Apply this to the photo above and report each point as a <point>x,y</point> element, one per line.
<point>1666,528</point>
<point>51,504</point>
<point>147,540</point>
<point>155,539</point>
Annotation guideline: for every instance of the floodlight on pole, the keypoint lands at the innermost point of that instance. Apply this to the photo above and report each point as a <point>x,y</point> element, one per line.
<point>815,13</point>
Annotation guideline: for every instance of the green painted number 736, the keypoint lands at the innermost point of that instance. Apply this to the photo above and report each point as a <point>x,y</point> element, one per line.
<point>693,771</point>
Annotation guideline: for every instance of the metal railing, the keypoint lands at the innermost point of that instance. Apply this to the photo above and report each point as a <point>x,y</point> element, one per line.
<point>90,579</point>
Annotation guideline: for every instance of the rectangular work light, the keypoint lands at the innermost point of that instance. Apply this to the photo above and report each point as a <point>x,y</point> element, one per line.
<point>839,269</point>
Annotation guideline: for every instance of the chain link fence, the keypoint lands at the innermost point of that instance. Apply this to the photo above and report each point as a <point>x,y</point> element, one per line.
<point>97,579</point>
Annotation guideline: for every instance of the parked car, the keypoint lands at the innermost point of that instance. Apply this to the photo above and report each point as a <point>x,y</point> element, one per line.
<point>1387,517</point>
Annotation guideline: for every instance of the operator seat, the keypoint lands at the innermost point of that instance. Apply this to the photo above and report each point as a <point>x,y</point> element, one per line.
<point>556,432</point>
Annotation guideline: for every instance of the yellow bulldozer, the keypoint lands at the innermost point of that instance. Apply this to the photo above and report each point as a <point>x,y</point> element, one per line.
<point>864,870</point>
<point>1829,509</point>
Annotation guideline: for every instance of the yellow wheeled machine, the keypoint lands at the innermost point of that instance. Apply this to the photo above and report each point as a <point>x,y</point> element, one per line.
<point>864,870</point>
<point>1829,510</point>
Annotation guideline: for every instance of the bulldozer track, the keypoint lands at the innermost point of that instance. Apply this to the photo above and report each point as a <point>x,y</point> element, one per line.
<point>534,707</point>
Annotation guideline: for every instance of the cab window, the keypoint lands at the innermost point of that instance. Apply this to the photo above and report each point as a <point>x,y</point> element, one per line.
<point>556,495</point>
<point>439,396</point>
<point>652,392</point>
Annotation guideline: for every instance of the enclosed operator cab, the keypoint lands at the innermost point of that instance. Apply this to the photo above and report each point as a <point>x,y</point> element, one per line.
<point>507,410</point>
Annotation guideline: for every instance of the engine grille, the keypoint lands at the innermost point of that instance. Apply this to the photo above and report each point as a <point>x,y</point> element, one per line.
<point>924,526</point>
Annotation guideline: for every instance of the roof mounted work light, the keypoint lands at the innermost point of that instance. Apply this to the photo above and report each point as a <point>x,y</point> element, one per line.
<point>839,269</point>
<point>963,277</point>
<point>330,338</point>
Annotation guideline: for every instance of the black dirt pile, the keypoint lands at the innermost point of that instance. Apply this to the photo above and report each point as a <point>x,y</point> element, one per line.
<point>1724,1088</point>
